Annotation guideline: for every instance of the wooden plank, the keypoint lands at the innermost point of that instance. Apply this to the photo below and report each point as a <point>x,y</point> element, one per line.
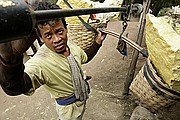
<point>140,37</point>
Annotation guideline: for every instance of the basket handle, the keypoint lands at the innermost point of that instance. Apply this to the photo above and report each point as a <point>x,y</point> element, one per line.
<point>89,27</point>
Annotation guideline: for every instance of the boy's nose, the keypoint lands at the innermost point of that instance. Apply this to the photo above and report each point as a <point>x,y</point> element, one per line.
<point>56,38</point>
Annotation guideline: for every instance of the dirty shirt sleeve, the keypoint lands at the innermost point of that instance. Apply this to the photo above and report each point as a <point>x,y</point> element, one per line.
<point>36,75</point>
<point>91,52</point>
<point>13,79</point>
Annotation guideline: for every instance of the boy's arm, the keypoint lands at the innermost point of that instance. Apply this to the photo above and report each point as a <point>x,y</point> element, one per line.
<point>13,80</point>
<point>91,52</point>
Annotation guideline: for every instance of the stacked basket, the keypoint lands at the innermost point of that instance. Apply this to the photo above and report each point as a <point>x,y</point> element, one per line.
<point>152,93</point>
<point>81,35</point>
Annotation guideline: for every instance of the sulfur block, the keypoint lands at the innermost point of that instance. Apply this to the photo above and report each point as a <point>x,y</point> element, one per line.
<point>163,45</point>
<point>74,4</point>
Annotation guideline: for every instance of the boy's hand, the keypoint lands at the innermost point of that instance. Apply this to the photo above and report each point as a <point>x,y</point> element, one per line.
<point>100,37</point>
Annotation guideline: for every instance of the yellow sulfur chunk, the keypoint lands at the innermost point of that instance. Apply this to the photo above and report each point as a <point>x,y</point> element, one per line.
<point>163,45</point>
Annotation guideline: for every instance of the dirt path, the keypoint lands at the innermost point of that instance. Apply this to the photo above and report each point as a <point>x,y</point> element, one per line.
<point>108,71</point>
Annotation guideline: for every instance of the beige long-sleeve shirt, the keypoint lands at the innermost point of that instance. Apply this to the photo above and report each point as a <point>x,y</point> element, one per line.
<point>52,70</point>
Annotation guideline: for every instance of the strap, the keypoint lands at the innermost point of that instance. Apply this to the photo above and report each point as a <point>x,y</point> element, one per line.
<point>122,47</point>
<point>158,91</point>
<point>159,85</point>
<point>66,100</point>
<point>89,27</point>
<point>71,98</point>
<point>33,48</point>
<point>79,83</point>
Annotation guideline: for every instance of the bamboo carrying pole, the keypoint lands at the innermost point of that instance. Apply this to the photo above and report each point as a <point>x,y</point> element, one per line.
<point>127,40</point>
<point>15,14</point>
<point>130,75</point>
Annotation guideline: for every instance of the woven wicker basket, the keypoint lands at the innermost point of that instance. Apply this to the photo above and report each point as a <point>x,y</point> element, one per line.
<point>81,35</point>
<point>151,92</point>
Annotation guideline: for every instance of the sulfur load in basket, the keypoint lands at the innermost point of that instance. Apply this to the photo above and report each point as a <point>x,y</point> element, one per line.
<point>74,4</point>
<point>81,35</point>
<point>77,32</point>
<point>163,44</point>
<point>149,89</point>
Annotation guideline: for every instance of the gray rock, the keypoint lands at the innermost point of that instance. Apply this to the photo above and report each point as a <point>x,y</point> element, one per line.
<point>141,113</point>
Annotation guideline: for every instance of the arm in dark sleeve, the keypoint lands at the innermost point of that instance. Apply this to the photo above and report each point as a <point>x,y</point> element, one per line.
<point>91,52</point>
<point>13,80</point>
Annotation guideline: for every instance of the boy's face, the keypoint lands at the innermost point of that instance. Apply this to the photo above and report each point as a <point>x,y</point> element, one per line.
<point>54,35</point>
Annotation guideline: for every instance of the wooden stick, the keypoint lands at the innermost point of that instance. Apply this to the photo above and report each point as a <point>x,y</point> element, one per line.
<point>130,75</point>
<point>127,40</point>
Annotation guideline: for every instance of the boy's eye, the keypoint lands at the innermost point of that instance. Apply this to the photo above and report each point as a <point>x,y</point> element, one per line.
<point>48,36</point>
<point>60,31</point>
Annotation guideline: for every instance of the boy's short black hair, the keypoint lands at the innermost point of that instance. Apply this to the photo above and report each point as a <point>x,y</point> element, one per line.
<point>49,6</point>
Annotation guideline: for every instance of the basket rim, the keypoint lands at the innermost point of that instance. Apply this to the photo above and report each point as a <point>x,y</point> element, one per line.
<point>158,83</point>
<point>147,72</point>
